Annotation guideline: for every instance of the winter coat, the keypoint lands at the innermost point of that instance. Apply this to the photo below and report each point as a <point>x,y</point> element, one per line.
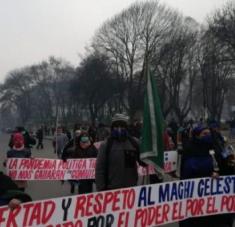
<point>9,190</point>
<point>61,139</point>
<point>116,166</point>
<point>79,153</point>
<point>25,153</point>
<point>196,160</point>
<point>39,134</point>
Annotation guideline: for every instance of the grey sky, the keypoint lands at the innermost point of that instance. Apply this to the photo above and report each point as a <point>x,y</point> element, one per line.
<point>33,30</point>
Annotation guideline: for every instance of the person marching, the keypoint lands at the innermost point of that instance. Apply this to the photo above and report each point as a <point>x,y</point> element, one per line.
<point>39,135</point>
<point>83,149</point>
<point>19,151</point>
<point>116,165</point>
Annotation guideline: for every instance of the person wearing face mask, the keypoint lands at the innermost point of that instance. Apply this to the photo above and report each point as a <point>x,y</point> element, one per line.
<point>83,148</point>
<point>198,160</point>
<point>116,165</point>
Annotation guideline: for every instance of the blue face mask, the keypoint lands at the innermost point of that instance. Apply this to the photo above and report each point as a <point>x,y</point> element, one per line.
<point>119,133</point>
<point>207,139</point>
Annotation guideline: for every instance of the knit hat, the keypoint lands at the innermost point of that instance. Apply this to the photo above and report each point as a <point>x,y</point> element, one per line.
<point>18,141</point>
<point>197,130</point>
<point>120,117</point>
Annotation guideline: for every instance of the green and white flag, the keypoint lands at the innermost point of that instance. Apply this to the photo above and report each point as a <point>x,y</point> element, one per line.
<point>151,151</point>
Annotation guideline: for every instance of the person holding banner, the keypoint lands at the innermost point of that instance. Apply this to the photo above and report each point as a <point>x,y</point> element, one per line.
<point>10,194</point>
<point>116,165</point>
<point>29,140</point>
<point>198,161</point>
<point>83,149</point>
<point>19,151</point>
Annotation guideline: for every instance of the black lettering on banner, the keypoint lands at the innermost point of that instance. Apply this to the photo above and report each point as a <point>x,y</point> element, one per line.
<point>101,221</point>
<point>66,207</point>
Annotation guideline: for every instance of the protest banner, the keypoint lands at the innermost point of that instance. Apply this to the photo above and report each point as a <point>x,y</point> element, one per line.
<point>56,169</point>
<point>50,169</point>
<point>149,205</point>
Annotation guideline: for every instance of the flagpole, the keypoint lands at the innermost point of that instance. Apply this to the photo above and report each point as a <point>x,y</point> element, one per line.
<point>158,170</point>
<point>152,138</point>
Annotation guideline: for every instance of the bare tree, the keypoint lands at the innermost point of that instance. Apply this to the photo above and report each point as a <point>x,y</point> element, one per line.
<point>16,93</point>
<point>222,27</point>
<point>130,38</point>
<point>216,75</point>
<point>177,71</point>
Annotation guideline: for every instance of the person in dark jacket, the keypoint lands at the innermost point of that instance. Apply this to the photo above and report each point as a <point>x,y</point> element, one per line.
<point>10,194</point>
<point>223,158</point>
<point>116,165</point>
<point>19,151</point>
<point>39,135</point>
<point>198,160</point>
<point>83,149</point>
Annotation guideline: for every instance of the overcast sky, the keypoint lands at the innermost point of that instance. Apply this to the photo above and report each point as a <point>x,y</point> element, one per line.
<point>33,30</point>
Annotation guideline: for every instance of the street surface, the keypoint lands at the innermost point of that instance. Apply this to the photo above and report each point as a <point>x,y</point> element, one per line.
<point>43,189</point>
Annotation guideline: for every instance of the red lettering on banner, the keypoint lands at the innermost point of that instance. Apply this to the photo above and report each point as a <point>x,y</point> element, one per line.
<point>151,216</point>
<point>31,164</point>
<point>48,210</point>
<point>12,174</point>
<point>116,200</point>
<point>92,163</point>
<point>128,198</point>
<point>94,204</point>
<point>166,209</point>
<point>12,163</point>
<point>62,164</point>
<point>72,164</point>
<point>40,213</point>
<point>228,203</point>
<point>89,205</point>
<point>83,174</point>
<point>27,208</point>
<point>36,214</point>
<point>211,209</point>
<point>24,174</point>
<point>123,219</point>
<point>108,197</point>
<point>98,203</point>
<point>131,198</point>
<point>177,209</point>
<point>195,206</point>
<point>49,175</point>
<point>80,206</point>
<point>2,211</point>
<point>11,221</point>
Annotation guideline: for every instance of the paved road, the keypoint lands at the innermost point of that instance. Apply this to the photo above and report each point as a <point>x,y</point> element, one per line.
<point>43,189</point>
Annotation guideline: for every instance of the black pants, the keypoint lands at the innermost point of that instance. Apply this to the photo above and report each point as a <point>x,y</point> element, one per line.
<point>40,144</point>
<point>85,186</point>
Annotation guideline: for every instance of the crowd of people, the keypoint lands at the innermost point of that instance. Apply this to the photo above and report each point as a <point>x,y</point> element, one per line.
<point>202,149</point>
